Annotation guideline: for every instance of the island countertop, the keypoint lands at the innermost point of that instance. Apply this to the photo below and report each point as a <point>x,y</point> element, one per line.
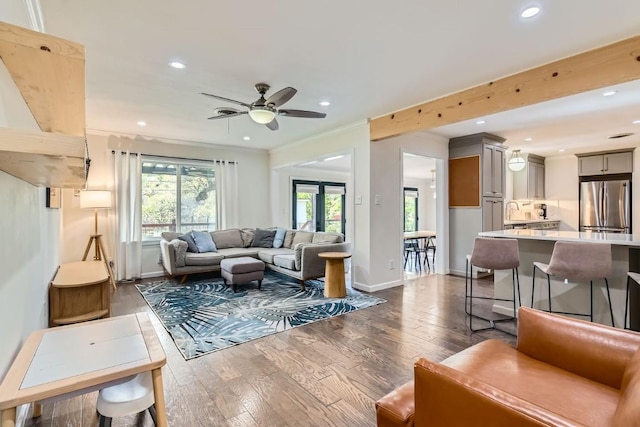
<point>573,236</point>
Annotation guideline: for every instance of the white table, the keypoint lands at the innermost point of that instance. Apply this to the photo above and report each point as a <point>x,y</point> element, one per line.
<point>537,245</point>
<point>63,362</point>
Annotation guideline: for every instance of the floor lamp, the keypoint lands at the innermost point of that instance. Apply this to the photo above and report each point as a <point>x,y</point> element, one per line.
<point>97,199</point>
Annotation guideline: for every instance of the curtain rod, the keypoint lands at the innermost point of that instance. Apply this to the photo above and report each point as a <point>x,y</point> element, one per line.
<point>177,158</point>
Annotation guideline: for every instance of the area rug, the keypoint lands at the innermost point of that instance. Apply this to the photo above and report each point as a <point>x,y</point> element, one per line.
<point>206,315</point>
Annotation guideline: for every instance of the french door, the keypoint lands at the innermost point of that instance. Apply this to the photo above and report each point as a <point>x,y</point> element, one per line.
<point>318,206</point>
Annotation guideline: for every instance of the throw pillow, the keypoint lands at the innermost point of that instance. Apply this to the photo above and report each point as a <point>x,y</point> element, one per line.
<point>278,239</point>
<point>263,238</point>
<point>288,239</point>
<point>180,248</point>
<point>203,241</point>
<point>302,237</point>
<point>191,244</point>
<point>247,235</point>
<point>230,238</point>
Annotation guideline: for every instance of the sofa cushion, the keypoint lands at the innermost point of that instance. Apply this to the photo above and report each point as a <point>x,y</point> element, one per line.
<point>288,238</point>
<point>191,243</point>
<point>238,252</point>
<point>628,410</point>
<point>230,238</point>
<point>247,235</point>
<point>263,238</point>
<point>285,261</point>
<point>498,364</point>
<point>302,237</point>
<point>180,249</point>
<point>322,237</point>
<point>278,239</point>
<point>204,259</point>
<point>297,254</point>
<point>267,255</point>
<point>203,241</point>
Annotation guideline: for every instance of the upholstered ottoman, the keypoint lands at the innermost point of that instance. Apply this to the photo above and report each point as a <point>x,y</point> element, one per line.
<point>241,270</point>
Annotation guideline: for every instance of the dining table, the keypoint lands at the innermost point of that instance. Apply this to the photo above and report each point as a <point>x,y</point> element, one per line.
<point>422,241</point>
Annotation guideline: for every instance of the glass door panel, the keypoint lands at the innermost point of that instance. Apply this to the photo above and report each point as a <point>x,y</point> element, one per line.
<point>333,208</point>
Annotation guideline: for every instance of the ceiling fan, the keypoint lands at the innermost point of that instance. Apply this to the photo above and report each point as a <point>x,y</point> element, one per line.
<point>264,111</point>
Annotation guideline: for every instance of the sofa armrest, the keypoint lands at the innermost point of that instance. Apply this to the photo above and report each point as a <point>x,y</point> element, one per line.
<point>598,352</point>
<point>311,265</point>
<point>446,397</point>
<point>168,254</point>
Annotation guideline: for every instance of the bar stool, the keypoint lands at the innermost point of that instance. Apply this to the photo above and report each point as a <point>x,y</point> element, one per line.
<point>577,261</point>
<point>636,278</point>
<point>128,398</point>
<point>492,254</point>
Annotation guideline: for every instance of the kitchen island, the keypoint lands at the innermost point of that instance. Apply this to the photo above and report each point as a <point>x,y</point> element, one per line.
<point>537,245</point>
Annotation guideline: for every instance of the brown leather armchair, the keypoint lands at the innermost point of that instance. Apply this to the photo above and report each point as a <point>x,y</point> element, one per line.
<point>562,372</point>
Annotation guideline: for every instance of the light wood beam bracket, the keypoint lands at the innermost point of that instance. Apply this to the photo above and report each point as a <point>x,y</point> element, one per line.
<point>609,65</point>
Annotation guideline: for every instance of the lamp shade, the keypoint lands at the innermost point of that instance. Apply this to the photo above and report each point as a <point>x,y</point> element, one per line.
<point>261,115</point>
<point>516,163</point>
<point>95,199</point>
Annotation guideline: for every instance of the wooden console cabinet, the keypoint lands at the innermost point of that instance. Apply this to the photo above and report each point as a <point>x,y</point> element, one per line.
<point>80,291</point>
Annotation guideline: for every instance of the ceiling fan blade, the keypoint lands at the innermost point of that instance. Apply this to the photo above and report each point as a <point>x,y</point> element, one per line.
<point>273,124</point>
<point>221,98</point>
<point>226,116</point>
<point>302,113</point>
<point>281,96</point>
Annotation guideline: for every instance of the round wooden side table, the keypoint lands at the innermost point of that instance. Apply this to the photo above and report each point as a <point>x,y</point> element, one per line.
<point>334,283</point>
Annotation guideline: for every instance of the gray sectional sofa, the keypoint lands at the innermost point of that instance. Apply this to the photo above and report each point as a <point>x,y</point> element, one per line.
<point>297,258</point>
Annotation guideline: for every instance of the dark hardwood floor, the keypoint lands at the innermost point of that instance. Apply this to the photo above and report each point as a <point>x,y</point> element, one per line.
<point>328,373</point>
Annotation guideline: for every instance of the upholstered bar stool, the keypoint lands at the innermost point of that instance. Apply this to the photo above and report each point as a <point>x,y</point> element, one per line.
<point>492,254</point>
<point>636,278</point>
<point>577,262</point>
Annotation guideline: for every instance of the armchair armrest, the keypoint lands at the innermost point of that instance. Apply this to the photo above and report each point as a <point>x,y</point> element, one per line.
<point>311,265</point>
<point>598,352</point>
<point>168,254</point>
<point>446,397</point>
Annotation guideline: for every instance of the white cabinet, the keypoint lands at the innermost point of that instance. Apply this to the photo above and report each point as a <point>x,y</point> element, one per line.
<point>605,163</point>
<point>528,184</point>
<point>492,214</point>
<point>493,170</point>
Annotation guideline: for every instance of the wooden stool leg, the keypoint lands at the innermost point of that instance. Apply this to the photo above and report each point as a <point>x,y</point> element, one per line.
<point>37,410</point>
<point>9,417</point>
<point>158,392</point>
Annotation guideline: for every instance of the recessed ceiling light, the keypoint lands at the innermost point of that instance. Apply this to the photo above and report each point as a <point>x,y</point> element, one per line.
<point>325,103</point>
<point>142,123</point>
<point>177,64</point>
<point>530,12</point>
<point>528,139</point>
<point>636,122</point>
<point>561,150</point>
<point>609,93</point>
<point>480,122</point>
<point>246,138</point>
<point>333,158</point>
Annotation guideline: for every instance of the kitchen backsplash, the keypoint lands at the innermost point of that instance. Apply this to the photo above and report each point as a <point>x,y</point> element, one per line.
<point>530,210</point>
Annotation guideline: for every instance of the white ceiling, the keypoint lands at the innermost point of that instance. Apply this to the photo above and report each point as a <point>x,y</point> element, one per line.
<point>367,57</point>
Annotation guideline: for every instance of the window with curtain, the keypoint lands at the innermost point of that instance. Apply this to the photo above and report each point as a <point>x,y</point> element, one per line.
<point>177,195</point>
<point>410,209</point>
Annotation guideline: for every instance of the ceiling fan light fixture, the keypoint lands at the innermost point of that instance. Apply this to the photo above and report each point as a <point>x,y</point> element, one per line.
<point>516,163</point>
<point>261,115</point>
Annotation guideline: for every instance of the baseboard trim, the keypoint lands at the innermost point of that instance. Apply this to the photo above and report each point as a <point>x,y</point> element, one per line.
<point>377,287</point>
<point>502,310</point>
<point>152,274</point>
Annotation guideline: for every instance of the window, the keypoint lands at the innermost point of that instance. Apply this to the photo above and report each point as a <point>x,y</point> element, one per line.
<point>410,209</point>
<point>177,196</point>
<point>318,206</point>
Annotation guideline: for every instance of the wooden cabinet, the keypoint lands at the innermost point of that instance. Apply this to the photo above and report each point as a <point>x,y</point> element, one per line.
<point>528,184</point>
<point>493,171</point>
<point>492,214</point>
<point>605,163</point>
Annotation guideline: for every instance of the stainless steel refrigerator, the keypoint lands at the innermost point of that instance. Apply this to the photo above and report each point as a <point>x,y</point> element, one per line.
<point>605,206</point>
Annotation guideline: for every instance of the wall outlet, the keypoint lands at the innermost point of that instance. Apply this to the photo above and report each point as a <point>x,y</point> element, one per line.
<point>358,199</point>
<point>391,264</point>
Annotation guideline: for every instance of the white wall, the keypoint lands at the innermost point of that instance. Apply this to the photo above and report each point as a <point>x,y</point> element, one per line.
<point>29,256</point>
<point>253,184</point>
<point>562,184</point>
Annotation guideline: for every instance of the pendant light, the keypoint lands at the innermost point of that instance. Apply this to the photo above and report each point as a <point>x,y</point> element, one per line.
<point>516,162</point>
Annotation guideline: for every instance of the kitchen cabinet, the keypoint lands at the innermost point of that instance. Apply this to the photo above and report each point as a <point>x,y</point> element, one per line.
<point>493,171</point>
<point>528,184</point>
<point>492,214</point>
<point>605,163</point>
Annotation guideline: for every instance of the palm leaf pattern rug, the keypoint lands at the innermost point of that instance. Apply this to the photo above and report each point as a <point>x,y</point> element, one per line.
<point>205,315</point>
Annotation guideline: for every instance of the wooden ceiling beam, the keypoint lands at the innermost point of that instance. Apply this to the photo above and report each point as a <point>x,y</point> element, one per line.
<point>49,72</point>
<point>609,65</point>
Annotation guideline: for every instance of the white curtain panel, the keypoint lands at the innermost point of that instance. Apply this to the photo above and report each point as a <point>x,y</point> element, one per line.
<point>126,218</point>
<point>226,194</point>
